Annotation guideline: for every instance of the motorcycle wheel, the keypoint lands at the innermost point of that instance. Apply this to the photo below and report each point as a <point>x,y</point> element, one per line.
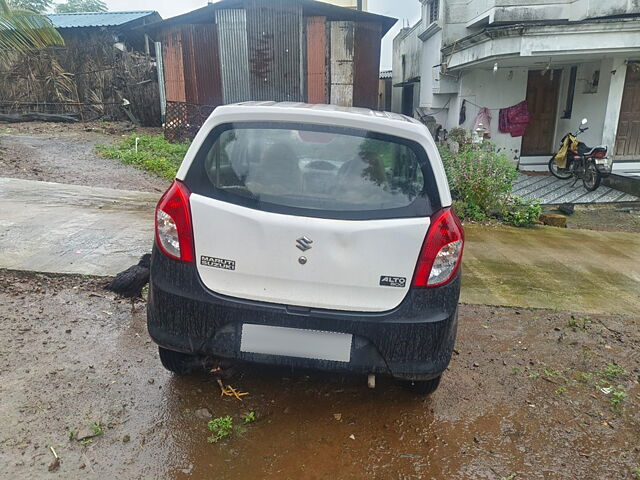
<point>561,173</point>
<point>591,178</point>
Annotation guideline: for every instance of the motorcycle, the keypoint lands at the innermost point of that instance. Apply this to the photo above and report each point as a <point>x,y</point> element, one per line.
<point>577,160</point>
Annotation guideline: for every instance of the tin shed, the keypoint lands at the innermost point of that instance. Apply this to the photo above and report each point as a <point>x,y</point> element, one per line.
<point>272,50</point>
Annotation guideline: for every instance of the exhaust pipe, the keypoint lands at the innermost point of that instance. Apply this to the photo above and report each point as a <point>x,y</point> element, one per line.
<point>371,380</point>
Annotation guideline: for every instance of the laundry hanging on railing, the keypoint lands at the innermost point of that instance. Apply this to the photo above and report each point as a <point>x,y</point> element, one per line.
<point>515,119</point>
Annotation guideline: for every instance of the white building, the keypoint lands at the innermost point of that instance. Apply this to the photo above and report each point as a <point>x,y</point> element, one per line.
<point>569,59</point>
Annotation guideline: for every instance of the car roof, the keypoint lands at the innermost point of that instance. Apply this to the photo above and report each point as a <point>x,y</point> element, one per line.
<point>309,112</point>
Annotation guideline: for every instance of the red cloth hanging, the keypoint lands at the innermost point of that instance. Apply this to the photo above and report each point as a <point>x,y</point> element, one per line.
<point>514,120</point>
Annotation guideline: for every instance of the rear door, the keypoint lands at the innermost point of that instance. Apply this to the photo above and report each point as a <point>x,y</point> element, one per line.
<point>311,217</point>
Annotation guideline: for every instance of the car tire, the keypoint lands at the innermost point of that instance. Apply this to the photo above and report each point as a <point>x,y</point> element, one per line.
<point>423,387</point>
<point>178,362</point>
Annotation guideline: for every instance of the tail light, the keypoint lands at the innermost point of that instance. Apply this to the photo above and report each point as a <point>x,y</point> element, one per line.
<point>600,154</point>
<point>441,252</point>
<point>173,223</point>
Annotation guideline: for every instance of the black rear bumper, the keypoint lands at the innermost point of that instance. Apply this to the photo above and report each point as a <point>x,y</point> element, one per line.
<point>413,341</point>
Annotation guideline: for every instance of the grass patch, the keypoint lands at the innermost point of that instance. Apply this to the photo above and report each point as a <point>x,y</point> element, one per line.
<point>153,153</point>
<point>250,417</point>
<point>617,396</point>
<point>220,428</point>
<point>224,427</point>
<point>636,472</point>
<point>613,371</point>
<point>97,429</point>
<point>561,390</point>
<point>578,323</point>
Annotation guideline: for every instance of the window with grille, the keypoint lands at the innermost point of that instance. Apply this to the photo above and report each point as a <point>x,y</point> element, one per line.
<point>434,10</point>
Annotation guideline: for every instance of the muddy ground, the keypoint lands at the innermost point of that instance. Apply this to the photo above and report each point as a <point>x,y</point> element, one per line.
<point>608,218</point>
<point>65,153</point>
<point>522,399</point>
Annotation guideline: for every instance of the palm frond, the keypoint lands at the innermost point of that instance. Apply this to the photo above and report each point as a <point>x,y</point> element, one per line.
<point>23,30</point>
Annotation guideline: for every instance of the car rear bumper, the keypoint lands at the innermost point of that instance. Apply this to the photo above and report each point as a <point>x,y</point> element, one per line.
<point>413,341</point>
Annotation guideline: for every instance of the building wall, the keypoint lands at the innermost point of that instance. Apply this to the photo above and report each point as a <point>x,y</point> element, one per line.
<point>384,94</point>
<point>366,45</point>
<point>481,87</point>
<point>274,38</point>
<point>317,60</point>
<point>477,13</point>
<point>588,102</point>
<point>173,64</point>
<point>342,63</point>
<point>234,54</point>
<point>406,61</point>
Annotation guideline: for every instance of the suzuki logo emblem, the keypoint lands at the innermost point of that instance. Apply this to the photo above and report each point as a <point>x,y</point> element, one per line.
<point>304,243</point>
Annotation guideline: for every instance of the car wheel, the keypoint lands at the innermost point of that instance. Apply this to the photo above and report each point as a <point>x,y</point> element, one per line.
<point>179,363</point>
<point>424,387</point>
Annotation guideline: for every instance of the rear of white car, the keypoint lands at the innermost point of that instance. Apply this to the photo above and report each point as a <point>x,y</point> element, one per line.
<point>310,236</point>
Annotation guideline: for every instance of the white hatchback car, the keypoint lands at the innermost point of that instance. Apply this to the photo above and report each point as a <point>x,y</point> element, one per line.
<point>311,236</point>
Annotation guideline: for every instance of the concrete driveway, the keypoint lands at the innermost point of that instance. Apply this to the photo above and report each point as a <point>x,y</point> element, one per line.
<point>57,228</point>
<point>547,267</point>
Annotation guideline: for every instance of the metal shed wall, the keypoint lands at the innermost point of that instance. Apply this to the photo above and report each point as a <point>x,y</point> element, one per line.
<point>189,59</point>
<point>234,56</point>
<point>173,66</point>
<point>316,60</point>
<point>206,59</point>
<point>274,38</point>
<point>342,66</point>
<point>366,64</point>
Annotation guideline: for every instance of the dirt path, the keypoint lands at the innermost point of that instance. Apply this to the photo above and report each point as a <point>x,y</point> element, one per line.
<point>521,400</point>
<point>66,154</point>
<point>609,218</point>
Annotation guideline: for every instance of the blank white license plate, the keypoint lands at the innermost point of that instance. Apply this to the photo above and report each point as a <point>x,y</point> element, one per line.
<point>294,342</point>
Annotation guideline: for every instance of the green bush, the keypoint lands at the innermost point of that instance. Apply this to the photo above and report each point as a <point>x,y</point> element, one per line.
<point>521,213</point>
<point>154,154</point>
<point>481,182</point>
<point>479,178</point>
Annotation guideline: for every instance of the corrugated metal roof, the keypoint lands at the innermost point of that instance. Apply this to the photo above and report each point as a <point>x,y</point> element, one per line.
<point>97,19</point>
<point>311,8</point>
<point>386,74</point>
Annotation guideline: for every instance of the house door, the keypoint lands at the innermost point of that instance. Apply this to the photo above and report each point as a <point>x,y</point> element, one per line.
<point>628,138</point>
<point>542,97</point>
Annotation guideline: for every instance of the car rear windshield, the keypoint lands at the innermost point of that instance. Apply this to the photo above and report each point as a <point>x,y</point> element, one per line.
<point>313,169</point>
